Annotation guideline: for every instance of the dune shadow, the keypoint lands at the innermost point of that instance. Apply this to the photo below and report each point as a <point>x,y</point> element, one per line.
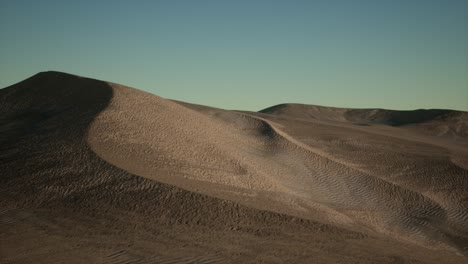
<point>45,111</point>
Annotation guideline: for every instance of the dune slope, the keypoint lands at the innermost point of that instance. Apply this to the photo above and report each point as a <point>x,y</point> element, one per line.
<point>96,172</point>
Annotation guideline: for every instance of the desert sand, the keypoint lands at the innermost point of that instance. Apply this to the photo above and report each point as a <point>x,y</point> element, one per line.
<point>97,172</point>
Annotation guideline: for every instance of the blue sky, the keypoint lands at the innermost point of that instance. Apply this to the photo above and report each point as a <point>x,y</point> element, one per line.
<point>250,54</point>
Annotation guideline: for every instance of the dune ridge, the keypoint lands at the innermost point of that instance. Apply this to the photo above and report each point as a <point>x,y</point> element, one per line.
<point>438,122</point>
<point>87,161</point>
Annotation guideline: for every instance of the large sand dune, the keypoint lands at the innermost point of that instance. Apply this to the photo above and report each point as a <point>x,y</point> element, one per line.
<point>96,172</point>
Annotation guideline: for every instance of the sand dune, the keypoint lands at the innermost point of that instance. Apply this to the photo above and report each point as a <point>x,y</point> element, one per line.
<point>96,172</point>
<point>434,122</point>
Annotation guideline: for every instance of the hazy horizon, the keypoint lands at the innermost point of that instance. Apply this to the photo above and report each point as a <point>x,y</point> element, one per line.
<point>250,55</point>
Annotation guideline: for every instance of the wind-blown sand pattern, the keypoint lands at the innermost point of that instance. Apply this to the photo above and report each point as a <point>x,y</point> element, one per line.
<point>96,172</point>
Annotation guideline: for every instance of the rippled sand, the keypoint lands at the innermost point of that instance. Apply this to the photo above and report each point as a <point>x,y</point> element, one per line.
<point>96,172</point>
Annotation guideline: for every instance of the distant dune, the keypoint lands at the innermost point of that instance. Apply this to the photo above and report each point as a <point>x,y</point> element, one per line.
<point>438,121</point>
<point>96,172</point>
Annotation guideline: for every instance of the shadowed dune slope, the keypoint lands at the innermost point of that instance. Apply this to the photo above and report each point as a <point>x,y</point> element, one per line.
<point>96,172</point>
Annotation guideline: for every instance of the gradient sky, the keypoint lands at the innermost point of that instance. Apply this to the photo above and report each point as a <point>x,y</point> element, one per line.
<point>247,54</point>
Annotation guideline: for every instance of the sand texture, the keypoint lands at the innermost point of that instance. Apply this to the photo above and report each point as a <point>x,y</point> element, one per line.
<point>96,172</point>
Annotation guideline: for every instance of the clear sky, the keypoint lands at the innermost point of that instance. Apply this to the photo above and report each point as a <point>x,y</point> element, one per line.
<point>250,54</point>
